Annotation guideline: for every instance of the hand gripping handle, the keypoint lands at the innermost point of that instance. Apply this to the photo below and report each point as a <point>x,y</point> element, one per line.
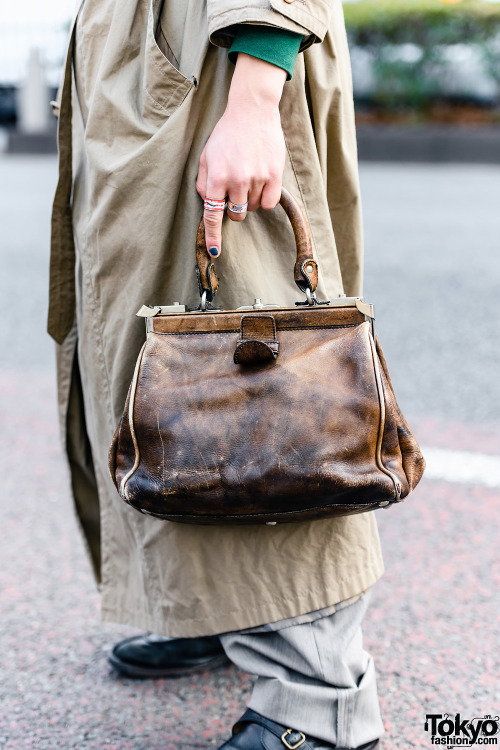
<point>306,268</point>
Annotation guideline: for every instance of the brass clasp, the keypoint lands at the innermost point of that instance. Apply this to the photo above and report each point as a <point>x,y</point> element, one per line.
<point>297,744</point>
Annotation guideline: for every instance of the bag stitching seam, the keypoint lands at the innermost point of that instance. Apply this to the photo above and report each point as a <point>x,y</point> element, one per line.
<point>237,330</point>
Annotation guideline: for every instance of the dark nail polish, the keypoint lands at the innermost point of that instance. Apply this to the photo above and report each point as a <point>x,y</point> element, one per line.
<point>214,251</point>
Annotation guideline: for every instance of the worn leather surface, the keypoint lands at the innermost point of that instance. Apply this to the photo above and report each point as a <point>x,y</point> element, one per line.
<point>293,438</point>
<point>305,270</point>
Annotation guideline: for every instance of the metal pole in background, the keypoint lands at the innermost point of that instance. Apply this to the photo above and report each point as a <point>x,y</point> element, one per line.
<point>35,132</point>
<point>33,98</point>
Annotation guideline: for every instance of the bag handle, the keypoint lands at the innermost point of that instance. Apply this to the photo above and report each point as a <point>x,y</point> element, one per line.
<point>306,268</point>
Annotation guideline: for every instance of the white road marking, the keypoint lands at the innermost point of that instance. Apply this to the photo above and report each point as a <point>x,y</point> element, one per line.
<point>462,466</point>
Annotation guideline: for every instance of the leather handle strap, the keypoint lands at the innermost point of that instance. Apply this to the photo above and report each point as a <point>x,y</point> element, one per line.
<point>306,268</point>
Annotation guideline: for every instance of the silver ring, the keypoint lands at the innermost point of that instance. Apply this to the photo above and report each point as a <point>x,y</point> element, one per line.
<point>237,209</point>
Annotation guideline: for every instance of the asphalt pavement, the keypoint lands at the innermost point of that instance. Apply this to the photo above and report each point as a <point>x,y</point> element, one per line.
<point>433,272</point>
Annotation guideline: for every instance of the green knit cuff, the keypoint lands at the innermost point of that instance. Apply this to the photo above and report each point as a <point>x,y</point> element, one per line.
<point>277,46</point>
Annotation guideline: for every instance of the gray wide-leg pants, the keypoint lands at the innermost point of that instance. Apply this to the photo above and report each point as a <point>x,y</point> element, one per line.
<point>313,676</point>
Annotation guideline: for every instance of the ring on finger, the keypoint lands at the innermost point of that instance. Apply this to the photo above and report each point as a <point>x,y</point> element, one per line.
<point>237,209</point>
<point>212,204</point>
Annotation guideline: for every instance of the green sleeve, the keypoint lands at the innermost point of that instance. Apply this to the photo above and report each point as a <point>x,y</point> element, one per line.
<point>270,43</point>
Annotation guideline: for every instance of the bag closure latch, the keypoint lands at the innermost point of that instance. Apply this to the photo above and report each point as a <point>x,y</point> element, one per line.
<point>258,340</point>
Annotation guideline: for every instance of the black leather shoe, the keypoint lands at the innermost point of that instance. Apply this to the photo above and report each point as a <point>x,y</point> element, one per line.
<point>151,655</point>
<point>255,732</point>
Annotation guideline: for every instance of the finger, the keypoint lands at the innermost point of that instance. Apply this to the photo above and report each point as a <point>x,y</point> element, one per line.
<point>255,195</point>
<point>238,195</point>
<point>213,220</point>
<point>271,194</point>
<point>201,180</point>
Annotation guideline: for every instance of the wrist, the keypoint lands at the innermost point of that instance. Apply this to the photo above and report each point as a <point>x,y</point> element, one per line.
<point>256,83</point>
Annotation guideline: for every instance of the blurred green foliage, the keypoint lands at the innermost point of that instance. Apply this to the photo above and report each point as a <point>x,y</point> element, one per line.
<point>414,75</point>
<point>421,22</point>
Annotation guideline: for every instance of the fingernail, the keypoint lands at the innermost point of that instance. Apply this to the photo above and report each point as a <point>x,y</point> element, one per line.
<point>214,251</point>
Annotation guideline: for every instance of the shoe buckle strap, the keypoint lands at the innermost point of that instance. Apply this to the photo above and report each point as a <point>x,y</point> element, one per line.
<point>288,738</point>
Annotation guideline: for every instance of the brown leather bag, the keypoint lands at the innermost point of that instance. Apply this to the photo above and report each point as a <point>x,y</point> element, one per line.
<point>262,414</point>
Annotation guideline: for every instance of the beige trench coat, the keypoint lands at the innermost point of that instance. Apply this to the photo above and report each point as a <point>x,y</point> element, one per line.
<point>151,82</point>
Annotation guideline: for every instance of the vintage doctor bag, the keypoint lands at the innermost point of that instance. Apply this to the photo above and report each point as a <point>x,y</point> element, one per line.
<point>262,414</point>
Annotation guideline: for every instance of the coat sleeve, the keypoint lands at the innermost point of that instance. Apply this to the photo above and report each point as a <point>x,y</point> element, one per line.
<point>310,18</point>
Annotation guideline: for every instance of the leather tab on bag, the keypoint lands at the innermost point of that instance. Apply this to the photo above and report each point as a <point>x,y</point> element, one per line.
<point>258,340</point>
<point>309,271</point>
<point>304,278</point>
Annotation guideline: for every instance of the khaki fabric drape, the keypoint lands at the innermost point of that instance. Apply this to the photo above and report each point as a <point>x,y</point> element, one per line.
<point>150,82</point>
